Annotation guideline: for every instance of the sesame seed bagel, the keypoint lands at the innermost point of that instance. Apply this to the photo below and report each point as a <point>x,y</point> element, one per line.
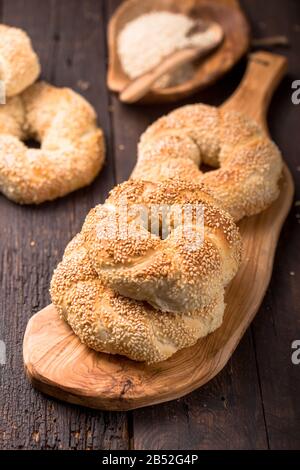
<point>183,271</point>
<point>110,323</point>
<point>71,149</point>
<point>248,163</point>
<point>19,64</point>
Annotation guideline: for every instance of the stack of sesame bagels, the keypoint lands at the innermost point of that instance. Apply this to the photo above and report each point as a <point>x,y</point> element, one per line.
<point>109,322</point>
<point>132,292</point>
<point>125,290</point>
<point>180,271</point>
<point>71,149</point>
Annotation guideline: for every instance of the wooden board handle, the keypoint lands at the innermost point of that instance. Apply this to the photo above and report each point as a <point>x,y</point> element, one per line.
<point>252,97</point>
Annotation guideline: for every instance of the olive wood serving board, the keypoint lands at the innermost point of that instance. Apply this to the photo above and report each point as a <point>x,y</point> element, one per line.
<point>225,12</point>
<point>59,365</point>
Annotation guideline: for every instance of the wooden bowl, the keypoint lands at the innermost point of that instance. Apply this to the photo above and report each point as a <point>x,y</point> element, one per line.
<point>226,12</point>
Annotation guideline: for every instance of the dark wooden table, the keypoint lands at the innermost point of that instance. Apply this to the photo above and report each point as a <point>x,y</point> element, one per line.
<point>254,403</point>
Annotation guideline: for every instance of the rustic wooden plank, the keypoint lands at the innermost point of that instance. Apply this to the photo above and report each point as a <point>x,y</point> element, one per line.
<point>278,323</point>
<point>226,413</point>
<point>69,39</point>
<point>30,421</point>
<point>202,420</point>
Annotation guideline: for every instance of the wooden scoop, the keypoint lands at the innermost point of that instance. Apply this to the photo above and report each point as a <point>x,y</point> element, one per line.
<point>212,37</point>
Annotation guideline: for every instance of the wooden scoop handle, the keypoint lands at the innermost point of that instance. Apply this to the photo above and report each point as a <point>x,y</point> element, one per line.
<point>252,97</point>
<point>141,85</point>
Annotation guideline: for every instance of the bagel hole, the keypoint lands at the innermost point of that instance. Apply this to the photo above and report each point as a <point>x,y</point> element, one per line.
<point>163,220</point>
<point>206,168</point>
<point>158,228</point>
<point>32,143</point>
<point>158,223</point>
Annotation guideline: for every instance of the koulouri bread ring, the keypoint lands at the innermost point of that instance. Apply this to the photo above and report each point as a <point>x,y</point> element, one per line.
<point>19,64</point>
<point>108,322</point>
<point>247,164</point>
<point>168,244</point>
<point>71,149</point>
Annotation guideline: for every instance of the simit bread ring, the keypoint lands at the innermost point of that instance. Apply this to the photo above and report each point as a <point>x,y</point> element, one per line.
<point>108,322</point>
<point>72,146</point>
<point>19,65</point>
<point>249,163</point>
<point>183,272</point>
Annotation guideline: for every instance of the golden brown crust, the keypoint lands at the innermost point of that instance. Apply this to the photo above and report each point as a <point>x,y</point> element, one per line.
<point>180,273</point>
<point>71,153</point>
<point>109,322</point>
<point>19,64</point>
<point>249,163</point>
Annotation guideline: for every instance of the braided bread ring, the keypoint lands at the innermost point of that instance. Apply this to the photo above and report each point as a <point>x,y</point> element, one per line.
<point>72,146</point>
<point>249,163</point>
<point>172,274</point>
<point>108,322</point>
<point>19,64</point>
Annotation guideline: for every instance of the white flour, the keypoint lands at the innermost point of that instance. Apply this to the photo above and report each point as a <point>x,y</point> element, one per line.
<point>145,41</point>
